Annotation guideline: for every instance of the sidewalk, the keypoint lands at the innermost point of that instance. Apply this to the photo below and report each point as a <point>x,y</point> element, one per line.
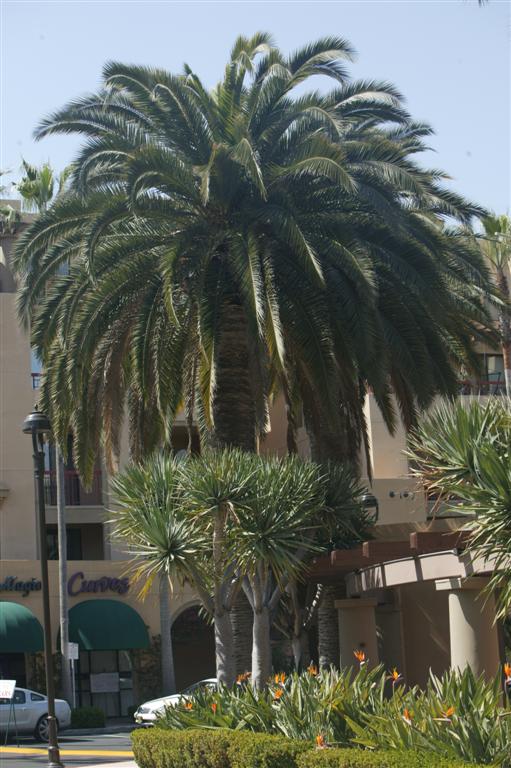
<point>129,764</point>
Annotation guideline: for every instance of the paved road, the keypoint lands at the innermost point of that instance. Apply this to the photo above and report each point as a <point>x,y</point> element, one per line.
<point>74,751</point>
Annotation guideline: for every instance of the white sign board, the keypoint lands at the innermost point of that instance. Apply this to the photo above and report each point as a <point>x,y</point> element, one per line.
<point>104,682</point>
<point>74,651</point>
<point>7,689</point>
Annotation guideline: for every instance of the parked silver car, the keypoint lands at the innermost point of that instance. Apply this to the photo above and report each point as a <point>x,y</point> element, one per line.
<point>31,711</point>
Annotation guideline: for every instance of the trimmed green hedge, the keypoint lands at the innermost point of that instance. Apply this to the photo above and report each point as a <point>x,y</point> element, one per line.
<point>217,748</point>
<point>357,758</point>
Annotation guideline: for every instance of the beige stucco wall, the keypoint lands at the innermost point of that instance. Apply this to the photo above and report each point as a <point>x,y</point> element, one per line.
<point>425,631</point>
<point>17,515</point>
<point>148,608</point>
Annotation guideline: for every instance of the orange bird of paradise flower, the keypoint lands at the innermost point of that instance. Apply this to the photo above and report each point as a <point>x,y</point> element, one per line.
<point>280,679</point>
<point>312,670</point>
<point>214,708</point>
<point>320,741</point>
<point>360,656</point>
<point>507,673</point>
<point>394,676</point>
<point>278,694</point>
<point>448,713</point>
<point>188,705</point>
<point>407,716</point>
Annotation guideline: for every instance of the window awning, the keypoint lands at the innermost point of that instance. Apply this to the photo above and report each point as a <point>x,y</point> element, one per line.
<point>106,625</point>
<point>20,631</point>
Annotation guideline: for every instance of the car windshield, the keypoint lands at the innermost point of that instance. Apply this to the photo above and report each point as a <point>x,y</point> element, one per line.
<point>196,686</point>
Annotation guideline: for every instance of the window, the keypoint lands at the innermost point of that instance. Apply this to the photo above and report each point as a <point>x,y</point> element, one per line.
<point>19,696</point>
<point>74,543</point>
<point>36,697</point>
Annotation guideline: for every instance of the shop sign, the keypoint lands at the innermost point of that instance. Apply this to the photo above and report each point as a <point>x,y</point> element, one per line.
<point>12,584</point>
<point>7,689</point>
<point>78,584</point>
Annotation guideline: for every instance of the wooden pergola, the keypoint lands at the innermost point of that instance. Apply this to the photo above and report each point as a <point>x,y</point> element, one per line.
<point>329,568</point>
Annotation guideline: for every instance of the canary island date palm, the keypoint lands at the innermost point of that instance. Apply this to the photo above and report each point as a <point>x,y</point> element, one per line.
<point>225,243</point>
<point>463,453</point>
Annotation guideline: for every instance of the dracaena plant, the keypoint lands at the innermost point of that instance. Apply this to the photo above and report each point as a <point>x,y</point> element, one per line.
<point>463,452</point>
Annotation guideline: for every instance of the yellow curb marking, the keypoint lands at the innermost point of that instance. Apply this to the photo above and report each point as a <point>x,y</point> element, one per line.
<point>89,752</point>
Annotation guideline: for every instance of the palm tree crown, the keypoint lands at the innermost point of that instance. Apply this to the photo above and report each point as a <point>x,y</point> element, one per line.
<point>225,243</point>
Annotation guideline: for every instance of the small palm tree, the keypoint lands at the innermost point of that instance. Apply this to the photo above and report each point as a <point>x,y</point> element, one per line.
<point>464,454</point>
<point>151,519</point>
<point>496,245</point>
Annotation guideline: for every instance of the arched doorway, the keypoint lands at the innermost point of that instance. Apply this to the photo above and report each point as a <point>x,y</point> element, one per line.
<point>193,644</point>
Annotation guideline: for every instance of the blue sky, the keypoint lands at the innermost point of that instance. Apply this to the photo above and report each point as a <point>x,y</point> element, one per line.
<point>450,58</point>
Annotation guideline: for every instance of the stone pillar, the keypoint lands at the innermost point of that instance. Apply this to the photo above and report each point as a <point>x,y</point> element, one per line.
<point>357,630</point>
<point>473,633</point>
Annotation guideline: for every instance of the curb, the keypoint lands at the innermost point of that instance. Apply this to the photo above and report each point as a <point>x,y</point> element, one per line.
<point>99,731</point>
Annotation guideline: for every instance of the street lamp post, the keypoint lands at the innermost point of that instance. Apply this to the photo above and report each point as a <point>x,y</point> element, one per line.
<point>37,425</point>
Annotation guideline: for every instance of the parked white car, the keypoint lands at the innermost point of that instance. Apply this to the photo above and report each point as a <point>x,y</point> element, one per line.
<point>31,710</point>
<point>147,713</point>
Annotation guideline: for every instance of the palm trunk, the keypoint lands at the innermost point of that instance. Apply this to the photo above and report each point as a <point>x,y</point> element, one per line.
<point>233,405</point>
<point>168,680</point>
<point>234,424</point>
<point>67,687</point>
<point>224,649</point>
<point>328,629</point>
<point>261,649</point>
<point>242,625</point>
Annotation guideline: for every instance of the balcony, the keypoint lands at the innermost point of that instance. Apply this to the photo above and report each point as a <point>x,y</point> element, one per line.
<point>493,385</point>
<point>75,493</point>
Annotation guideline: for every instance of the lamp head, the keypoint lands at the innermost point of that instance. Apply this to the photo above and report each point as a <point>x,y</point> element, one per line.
<point>36,423</point>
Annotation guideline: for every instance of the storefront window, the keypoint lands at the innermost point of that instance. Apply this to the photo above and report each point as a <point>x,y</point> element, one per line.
<point>105,680</point>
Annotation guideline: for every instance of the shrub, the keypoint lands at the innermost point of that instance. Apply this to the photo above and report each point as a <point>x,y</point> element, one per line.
<point>357,758</point>
<point>87,717</point>
<point>221,748</point>
<point>158,748</point>
<point>258,750</point>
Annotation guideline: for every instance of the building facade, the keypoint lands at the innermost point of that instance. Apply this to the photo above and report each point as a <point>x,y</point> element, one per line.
<point>410,597</point>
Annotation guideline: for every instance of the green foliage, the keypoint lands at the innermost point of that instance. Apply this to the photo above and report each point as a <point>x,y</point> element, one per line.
<point>203,748</point>
<point>87,717</point>
<point>352,758</point>
<point>457,716</point>
<point>194,220</point>
<point>262,751</point>
<point>463,452</point>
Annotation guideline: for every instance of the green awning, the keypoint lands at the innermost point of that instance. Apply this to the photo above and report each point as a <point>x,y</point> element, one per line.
<point>20,631</point>
<point>106,625</point>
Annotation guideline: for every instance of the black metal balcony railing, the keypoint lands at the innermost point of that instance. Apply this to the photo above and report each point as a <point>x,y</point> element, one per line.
<point>75,493</point>
<point>491,386</point>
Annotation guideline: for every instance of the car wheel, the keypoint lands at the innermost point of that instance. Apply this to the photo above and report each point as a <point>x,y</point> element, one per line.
<point>41,732</point>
